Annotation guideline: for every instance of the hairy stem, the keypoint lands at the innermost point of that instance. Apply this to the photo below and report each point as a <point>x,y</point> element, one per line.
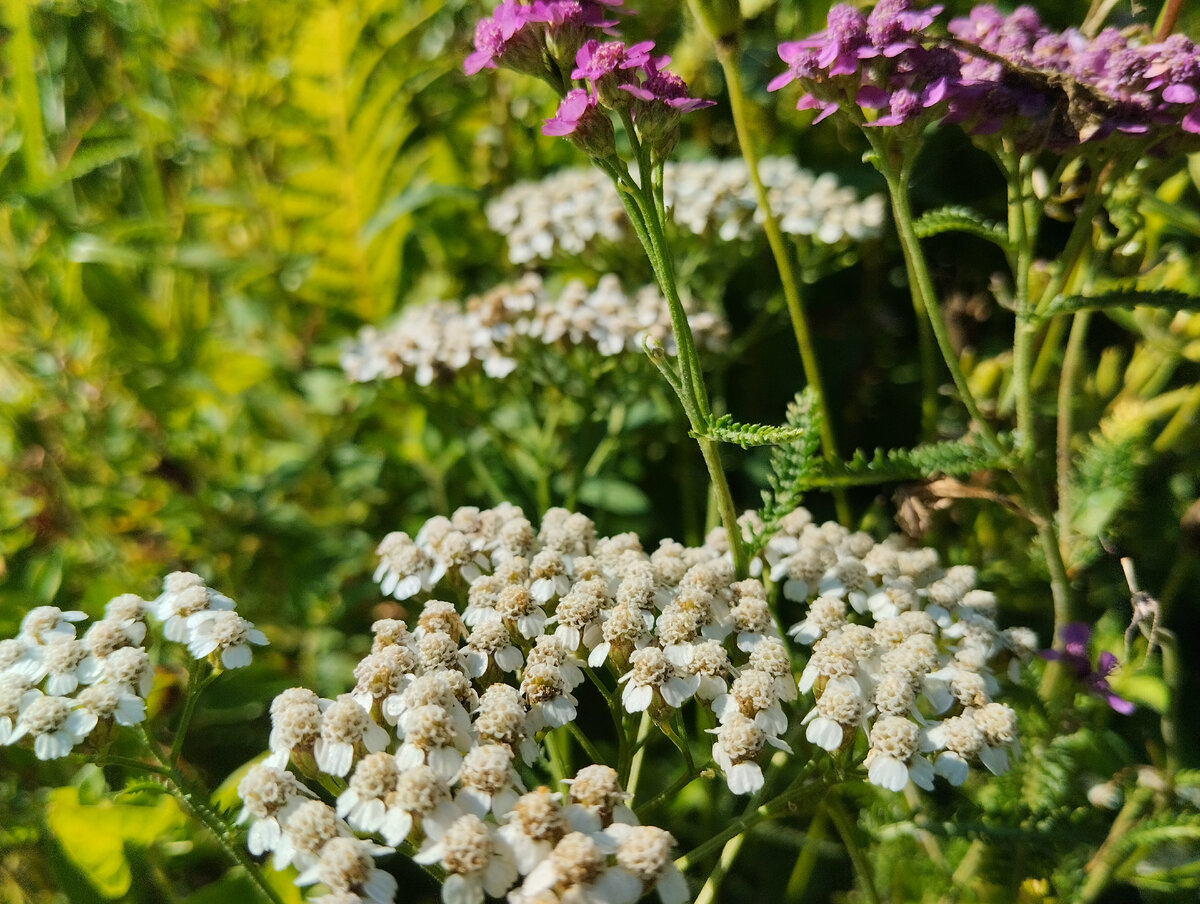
<point>195,802</point>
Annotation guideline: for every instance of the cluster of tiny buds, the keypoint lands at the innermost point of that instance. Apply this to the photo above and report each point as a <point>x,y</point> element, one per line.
<point>58,690</point>
<point>436,340</point>
<point>574,209</point>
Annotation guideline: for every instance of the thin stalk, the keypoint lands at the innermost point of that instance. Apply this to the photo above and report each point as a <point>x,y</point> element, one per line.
<point>1021,236</point>
<point>639,754</point>
<point>1183,419</point>
<point>667,793</point>
<point>1073,361</point>
<point>1101,867</point>
<point>862,867</point>
<point>807,861</point>
<point>130,763</point>
<point>1169,721</point>
<point>727,51</point>
<point>1167,19</point>
<point>966,870</point>
<point>754,815</point>
<point>1043,364</point>
<point>585,742</point>
<point>1077,242</point>
<point>554,743</point>
<point>733,847</point>
<point>29,107</point>
<point>194,691</point>
<point>922,286</point>
<point>639,203</point>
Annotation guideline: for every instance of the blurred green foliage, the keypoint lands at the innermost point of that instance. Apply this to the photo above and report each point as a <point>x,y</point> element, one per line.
<point>200,199</point>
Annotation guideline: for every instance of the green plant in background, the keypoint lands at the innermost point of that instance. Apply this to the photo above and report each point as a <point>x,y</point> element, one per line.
<point>206,201</point>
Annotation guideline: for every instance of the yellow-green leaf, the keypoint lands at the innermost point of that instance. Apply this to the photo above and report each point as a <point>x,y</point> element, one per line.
<point>93,836</point>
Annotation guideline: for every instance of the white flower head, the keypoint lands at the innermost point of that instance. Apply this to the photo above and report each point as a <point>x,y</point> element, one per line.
<point>364,802</point>
<point>346,866</point>
<point>893,759</point>
<point>184,595</point>
<point>224,637</point>
<point>476,858</point>
<point>42,623</point>
<point>268,797</point>
<point>346,730</point>
<point>53,722</point>
<point>643,862</point>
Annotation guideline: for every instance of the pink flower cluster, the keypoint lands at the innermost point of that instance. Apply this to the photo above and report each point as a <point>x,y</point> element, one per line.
<point>567,42</point>
<point>997,73</point>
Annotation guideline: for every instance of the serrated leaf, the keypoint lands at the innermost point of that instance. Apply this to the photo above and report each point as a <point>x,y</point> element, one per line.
<point>1125,298</point>
<point>726,430</point>
<point>960,219</point>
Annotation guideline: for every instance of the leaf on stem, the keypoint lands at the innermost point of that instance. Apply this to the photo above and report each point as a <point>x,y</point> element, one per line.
<point>726,430</point>
<point>1122,298</point>
<point>960,219</point>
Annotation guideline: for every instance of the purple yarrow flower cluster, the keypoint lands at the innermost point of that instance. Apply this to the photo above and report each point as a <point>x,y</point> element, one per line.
<point>1117,81</point>
<point>876,61</point>
<point>1010,73</point>
<point>1074,655</point>
<point>516,35</point>
<point>606,75</point>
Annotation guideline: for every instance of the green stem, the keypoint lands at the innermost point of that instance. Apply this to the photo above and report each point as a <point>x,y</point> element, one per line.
<point>585,742</point>
<point>668,793</point>
<point>639,754</point>
<point>807,861</point>
<point>1021,235</point>
<point>1183,419</point>
<point>1169,721</point>
<point>923,291</point>
<point>729,853</point>
<point>845,828</point>
<point>195,803</point>
<point>965,871</point>
<point>643,213</point>
<point>24,78</point>
<point>194,690</point>
<point>727,51</point>
<point>1100,869</point>
<point>1072,367</point>
<point>130,763</point>
<point>803,786</point>
<point>1043,365</point>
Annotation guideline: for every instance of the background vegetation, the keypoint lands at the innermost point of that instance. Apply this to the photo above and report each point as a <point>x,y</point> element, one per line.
<point>203,199</point>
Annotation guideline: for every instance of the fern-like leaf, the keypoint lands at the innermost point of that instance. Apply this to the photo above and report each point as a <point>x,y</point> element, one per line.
<point>951,458</point>
<point>725,429</point>
<point>793,465</point>
<point>1123,298</point>
<point>960,219</point>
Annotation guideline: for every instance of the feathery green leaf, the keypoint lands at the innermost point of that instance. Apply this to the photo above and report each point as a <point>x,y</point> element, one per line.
<point>1123,298</point>
<point>960,219</point>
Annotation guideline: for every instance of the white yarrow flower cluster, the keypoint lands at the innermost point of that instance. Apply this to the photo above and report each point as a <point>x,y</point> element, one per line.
<point>436,340</point>
<point>903,651</point>
<point>58,690</point>
<point>444,719</point>
<point>574,209</point>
